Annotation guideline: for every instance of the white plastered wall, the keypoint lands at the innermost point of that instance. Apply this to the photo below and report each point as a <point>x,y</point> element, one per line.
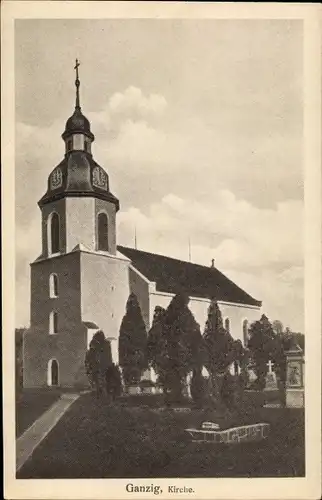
<point>236,313</point>
<point>104,293</point>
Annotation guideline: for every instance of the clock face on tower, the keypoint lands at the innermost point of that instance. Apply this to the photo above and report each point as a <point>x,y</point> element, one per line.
<point>56,179</point>
<point>99,178</point>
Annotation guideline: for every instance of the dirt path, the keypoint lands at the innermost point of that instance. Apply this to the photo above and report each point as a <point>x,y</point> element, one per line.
<point>33,436</point>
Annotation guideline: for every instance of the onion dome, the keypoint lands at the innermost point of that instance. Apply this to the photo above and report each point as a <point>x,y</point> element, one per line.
<point>78,124</point>
<point>78,175</point>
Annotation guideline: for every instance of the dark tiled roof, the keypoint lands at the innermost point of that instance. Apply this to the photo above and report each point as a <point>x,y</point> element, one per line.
<point>77,179</point>
<point>174,276</point>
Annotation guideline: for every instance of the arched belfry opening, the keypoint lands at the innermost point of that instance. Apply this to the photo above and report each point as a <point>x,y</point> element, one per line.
<point>102,231</point>
<point>54,233</point>
<point>53,373</point>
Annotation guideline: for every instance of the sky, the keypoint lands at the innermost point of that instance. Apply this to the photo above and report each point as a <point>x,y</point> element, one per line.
<point>199,126</point>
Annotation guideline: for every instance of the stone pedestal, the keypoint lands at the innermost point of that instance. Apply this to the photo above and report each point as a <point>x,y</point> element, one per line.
<point>294,377</point>
<point>295,398</point>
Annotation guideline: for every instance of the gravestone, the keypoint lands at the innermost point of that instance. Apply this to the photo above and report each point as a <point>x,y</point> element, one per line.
<point>148,390</point>
<point>158,389</point>
<point>147,386</point>
<point>271,379</point>
<point>251,375</point>
<point>133,390</point>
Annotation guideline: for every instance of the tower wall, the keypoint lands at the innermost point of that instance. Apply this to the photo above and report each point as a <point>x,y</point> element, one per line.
<point>80,227</point>
<point>104,292</point>
<point>68,349</point>
<point>68,345</point>
<point>67,303</point>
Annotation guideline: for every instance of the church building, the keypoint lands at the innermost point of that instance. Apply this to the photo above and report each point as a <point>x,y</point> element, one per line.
<point>82,279</point>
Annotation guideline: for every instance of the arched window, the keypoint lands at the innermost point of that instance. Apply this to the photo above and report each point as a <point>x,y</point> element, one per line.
<point>102,231</point>
<point>53,285</point>
<point>69,145</point>
<point>227,325</point>
<point>245,332</point>
<point>53,372</point>
<point>53,229</point>
<point>53,323</point>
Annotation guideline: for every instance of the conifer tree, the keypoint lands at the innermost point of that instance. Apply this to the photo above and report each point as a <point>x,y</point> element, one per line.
<point>221,349</point>
<point>180,344</point>
<point>132,342</point>
<point>264,344</point>
<point>156,347</point>
<point>220,346</point>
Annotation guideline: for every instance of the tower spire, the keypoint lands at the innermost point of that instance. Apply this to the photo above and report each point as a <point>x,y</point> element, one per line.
<point>77,83</point>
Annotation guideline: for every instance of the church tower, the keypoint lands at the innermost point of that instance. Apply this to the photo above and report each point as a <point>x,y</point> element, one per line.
<point>79,283</point>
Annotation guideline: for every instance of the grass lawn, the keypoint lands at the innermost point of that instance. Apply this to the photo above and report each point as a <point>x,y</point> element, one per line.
<point>31,404</point>
<point>95,440</point>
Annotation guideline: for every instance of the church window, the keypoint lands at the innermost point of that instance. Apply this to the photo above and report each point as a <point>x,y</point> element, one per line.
<point>53,285</point>
<point>54,233</point>
<point>69,145</point>
<point>245,331</point>
<point>102,231</point>
<point>227,325</point>
<point>53,373</point>
<point>53,323</point>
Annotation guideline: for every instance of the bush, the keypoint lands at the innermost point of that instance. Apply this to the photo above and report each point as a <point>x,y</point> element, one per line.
<point>113,381</point>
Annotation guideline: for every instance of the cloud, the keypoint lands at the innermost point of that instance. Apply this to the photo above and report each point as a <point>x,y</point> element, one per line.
<point>258,248</point>
<point>132,101</point>
<point>248,236</point>
<point>139,133</point>
<point>125,108</point>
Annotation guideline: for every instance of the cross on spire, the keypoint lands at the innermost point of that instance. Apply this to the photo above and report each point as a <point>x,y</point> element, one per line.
<point>77,83</point>
<point>76,67</point>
